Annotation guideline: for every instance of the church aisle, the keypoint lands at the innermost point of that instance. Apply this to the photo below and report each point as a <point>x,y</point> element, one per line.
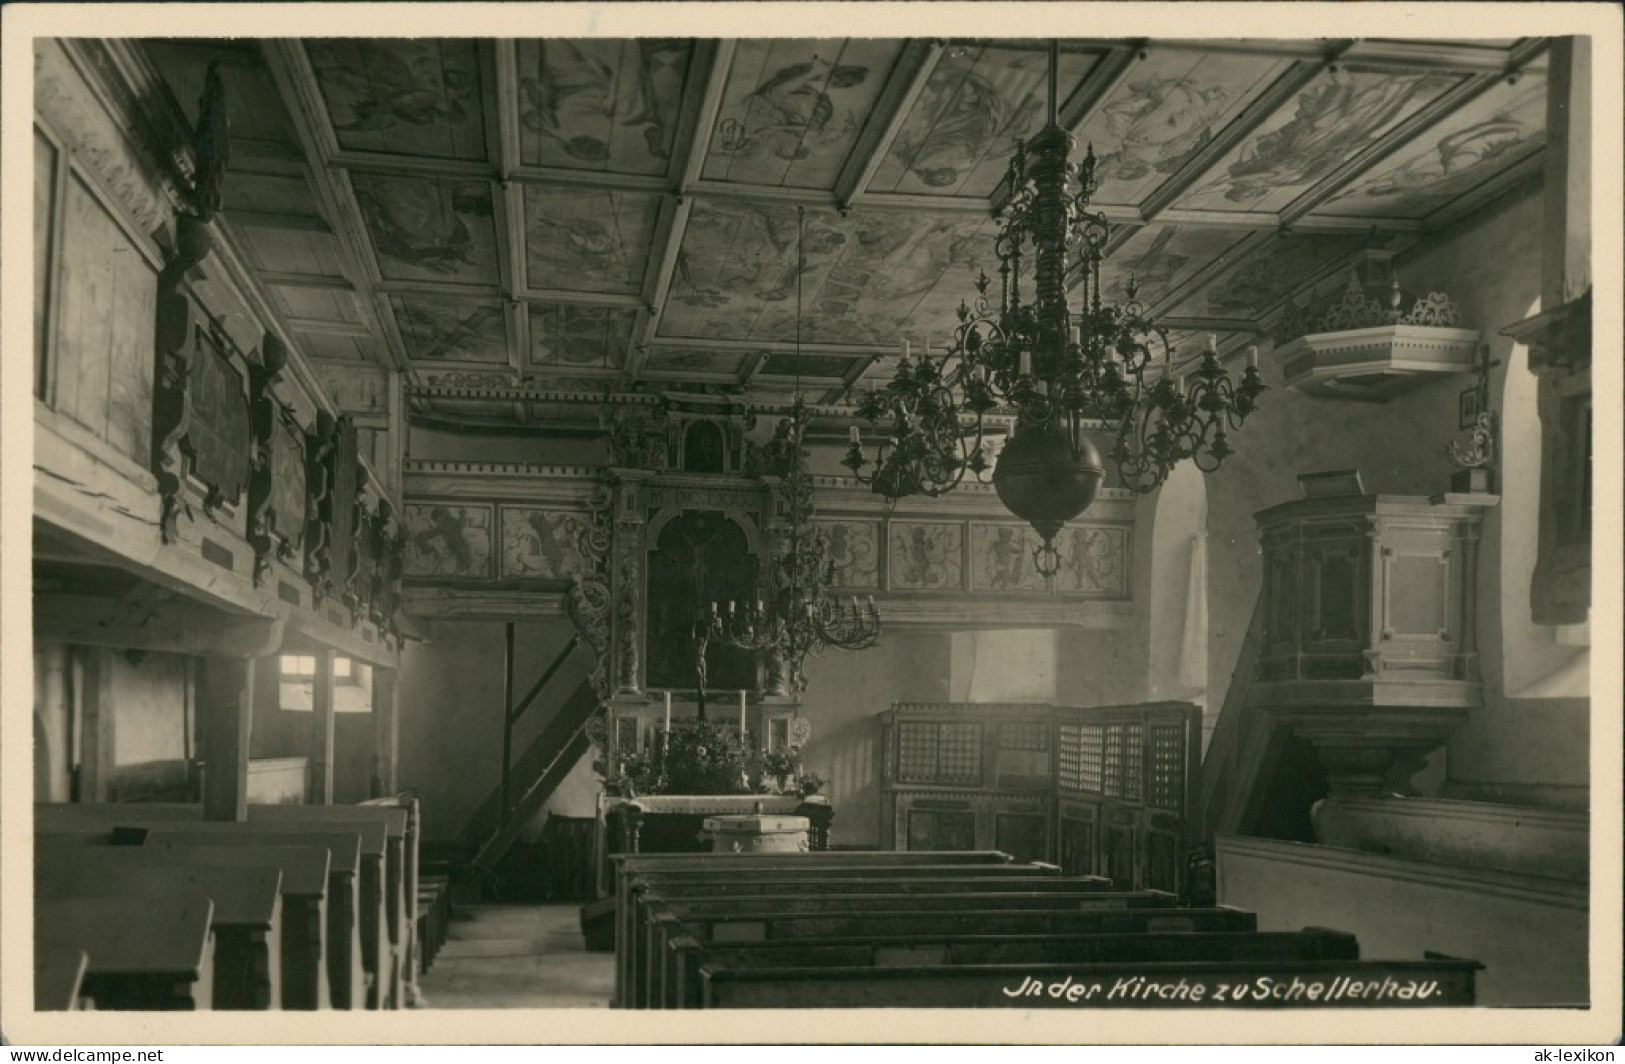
<point>518,957</point>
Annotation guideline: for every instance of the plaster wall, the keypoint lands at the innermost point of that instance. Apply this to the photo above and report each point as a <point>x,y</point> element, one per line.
<point>450,695</point>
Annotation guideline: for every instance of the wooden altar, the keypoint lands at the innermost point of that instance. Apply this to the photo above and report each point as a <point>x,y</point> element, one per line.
<point>672,823</point>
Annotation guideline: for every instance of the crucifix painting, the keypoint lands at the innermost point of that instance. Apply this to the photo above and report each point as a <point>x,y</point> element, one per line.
<point>701,558</point>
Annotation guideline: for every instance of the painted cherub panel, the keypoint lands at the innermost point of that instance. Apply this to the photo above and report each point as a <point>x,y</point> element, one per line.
<point>403,97</point>
<point>793,109</point>
<point>429,229</point>
<point>445,330</point>
<point>588,239</point>
<point>542,544</point>
<point>1002,558</point>
<point>601,104</point>
<point>1333,119</point>
<point>1506,124</point>
<point>447,539</point>
<point>854,549</point>
<point>978,101</point>
<point>925,556</point>
<point>1164,111</point>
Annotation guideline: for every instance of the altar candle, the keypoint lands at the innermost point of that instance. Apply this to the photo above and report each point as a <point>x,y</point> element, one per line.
<point>905,350</point>
<point>1026,364</point>
<point>1252,358</point>
<point>668,712</point>
<point>852,435</point>
<point>741,715</point>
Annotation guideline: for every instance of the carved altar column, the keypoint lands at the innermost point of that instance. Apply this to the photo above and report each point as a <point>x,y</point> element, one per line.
<point>627,581</point>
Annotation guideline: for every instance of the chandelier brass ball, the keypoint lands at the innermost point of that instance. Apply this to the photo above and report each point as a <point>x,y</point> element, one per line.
<point>1046,479</point>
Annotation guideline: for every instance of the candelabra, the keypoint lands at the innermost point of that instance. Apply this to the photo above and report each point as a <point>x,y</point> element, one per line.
<point>1109,369</point>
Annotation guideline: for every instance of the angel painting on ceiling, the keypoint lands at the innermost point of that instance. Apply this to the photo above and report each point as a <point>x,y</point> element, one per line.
<point>1456,163</point>
<point>426,225</point>
<point>1157,124</point>
<point>970,116</point>
<point>578,95</point>
<point>436,332</point>
<point>1333,121</point>
<point>371,86</point>
<point>788,115</point>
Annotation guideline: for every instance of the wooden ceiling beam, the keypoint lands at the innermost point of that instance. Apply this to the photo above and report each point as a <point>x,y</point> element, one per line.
<point>675,343</point>
<point>422,165</point>
<point>296,84</point>
<point>501,102</point>
<point>305,280</point>
<point>441,288</point>
<point>295,223</point>
<point>902,90</point>
<point>171,625</point>
<point>687,164</point>
<point>1263,106</point>
<point>688,161</point>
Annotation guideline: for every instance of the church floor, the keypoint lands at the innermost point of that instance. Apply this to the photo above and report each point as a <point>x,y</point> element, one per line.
<point>518,957</point>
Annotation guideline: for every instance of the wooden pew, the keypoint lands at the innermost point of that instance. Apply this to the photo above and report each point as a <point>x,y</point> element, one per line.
<point>688,955</point>
<point>631,869</point>
<point>246,919</point>
<point>876,894</point>
<point>383,881</point>
<point>377,891</point>
<point>303,948</point>
<point>59,973</point>
<point>435,913</point>
<point>346,975</point>
<point>1432,983</point>
<point>140,953</point>
<point>719,920</point>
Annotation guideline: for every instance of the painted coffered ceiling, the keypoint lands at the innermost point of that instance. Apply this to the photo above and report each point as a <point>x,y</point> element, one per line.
<point>556,215</point>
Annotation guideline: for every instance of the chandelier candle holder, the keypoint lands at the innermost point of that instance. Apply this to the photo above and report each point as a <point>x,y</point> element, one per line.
<point>1018,349</point>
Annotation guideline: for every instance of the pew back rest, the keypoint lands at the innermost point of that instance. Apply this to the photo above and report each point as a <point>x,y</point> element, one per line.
<point>343,848</point>
<point>242,897</point>
<point>128,936</point>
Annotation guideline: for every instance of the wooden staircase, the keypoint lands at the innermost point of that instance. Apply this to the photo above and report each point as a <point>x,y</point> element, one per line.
<point>526,784</point>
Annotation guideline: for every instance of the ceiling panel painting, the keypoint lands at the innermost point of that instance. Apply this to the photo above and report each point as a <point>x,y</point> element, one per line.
<point>958,136</point>
<point>1160,258</point>
<point>793,109</point>
<point>429,229</point>
<point>1505,125</point>
<point>1166,110</point>
<point>588,239</point>
<point>608,105</point>
<point>1337,116</point>
<point>402,97</point>
<point>452,330</point>
<point>868,274</point>
<point>697,363</point>
<point>579,336</point>
<point>1267,276</point>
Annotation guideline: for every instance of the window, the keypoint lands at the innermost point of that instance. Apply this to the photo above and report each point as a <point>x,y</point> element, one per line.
<point>302,668</point>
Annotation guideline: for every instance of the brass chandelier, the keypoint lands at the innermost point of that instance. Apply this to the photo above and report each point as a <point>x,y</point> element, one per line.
<point>797,615</point>
<point>1108,368</point>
